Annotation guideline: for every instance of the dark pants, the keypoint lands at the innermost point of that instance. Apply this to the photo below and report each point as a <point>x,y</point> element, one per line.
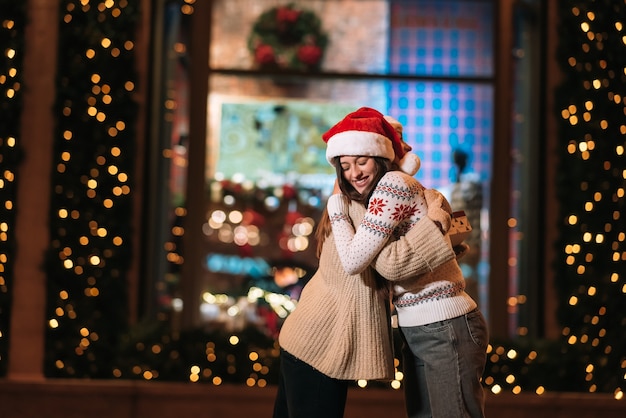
<point>304,392</point>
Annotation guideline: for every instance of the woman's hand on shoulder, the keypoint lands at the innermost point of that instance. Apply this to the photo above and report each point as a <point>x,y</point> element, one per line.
<point>439,210</point>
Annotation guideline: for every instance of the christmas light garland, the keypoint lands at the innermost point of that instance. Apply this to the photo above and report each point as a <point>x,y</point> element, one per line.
<point>12,30</point>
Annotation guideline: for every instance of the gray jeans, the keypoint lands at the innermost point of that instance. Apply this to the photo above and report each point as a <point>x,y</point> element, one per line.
<point>443,364</point>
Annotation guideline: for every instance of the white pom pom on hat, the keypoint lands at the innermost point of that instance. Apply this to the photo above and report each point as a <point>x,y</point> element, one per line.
<point>368,132</point>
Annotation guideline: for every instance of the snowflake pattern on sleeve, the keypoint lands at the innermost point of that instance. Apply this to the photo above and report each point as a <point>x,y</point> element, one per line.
<point>396,204</point>
<point>376,206</point>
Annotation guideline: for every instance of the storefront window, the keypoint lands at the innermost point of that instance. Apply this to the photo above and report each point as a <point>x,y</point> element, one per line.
<point>427,63</point>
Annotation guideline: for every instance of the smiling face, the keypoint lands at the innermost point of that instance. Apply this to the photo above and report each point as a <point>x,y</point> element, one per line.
<point>359,171</point>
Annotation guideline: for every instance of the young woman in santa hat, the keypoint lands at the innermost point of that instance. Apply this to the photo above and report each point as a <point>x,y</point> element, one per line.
<point>445,335</point>
<point>340,330</point>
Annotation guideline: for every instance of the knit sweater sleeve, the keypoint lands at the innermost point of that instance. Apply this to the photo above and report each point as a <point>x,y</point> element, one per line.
<point>423,249</point>
<point>420,251</point>
<point>395,205</point>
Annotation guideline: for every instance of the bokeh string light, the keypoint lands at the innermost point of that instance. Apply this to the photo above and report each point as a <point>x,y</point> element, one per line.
<point>12,28</point>
<point>590,273</point>
<point>92,183</point>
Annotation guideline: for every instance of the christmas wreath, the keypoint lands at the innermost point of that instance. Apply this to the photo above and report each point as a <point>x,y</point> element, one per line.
<point>286,37</point>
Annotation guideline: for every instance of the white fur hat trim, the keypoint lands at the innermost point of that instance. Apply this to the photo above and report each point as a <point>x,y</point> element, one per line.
<point>355,143</point>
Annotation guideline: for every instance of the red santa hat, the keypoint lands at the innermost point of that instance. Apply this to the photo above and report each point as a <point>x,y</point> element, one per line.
<point>396,125</point>
<point>368,132</point>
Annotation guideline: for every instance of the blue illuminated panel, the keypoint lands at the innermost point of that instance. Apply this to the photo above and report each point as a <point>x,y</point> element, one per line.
<point>439,117</point>
<point>441,37</point>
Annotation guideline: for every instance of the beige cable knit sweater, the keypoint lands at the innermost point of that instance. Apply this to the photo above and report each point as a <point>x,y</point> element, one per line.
<point>341,326</point>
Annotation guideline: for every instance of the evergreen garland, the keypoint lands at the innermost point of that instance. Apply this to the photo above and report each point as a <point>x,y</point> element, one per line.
<point>287,37</point>
<point>591,248</point>
<point>92,184</point>
<point>590,281</point>
<point>12,27</point>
